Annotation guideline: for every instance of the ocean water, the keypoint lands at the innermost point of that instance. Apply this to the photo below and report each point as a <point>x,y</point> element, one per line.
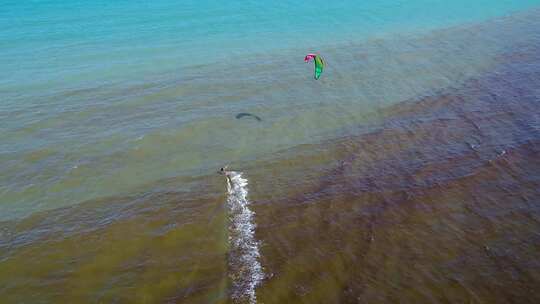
<point>101,98</point>
<point>421,135</point>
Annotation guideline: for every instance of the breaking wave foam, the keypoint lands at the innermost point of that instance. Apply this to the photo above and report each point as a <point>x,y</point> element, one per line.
<point>246,272</point>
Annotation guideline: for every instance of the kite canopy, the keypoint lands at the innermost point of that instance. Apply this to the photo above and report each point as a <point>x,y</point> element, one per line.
<point>310,57</point>
<point>319,63</point>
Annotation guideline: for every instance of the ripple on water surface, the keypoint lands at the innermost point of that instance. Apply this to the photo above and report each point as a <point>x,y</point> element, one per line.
<point>437,202</point>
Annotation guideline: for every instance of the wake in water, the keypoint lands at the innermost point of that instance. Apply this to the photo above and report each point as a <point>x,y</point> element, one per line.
<point>246,272</point>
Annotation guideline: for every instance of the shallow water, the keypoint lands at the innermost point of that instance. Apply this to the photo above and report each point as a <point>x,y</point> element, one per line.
<point>409,172</point>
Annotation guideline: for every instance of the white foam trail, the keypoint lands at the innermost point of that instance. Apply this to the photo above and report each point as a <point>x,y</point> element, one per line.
<point>245,269</point>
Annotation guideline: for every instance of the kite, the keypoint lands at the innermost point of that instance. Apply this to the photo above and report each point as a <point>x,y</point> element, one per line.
<point>319,63</point>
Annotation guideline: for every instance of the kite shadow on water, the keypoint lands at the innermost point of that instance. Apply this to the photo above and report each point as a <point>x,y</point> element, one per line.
<point>240,115</point>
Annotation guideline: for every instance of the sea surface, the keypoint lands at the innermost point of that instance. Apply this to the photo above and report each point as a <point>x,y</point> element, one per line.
<point>410,172</point>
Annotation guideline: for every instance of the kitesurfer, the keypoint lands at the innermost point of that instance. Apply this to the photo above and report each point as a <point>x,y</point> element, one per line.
<point>227,174</point>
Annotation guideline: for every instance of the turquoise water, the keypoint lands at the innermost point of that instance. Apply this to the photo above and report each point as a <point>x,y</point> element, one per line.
<point>106,97</point>
<point>48,45</point>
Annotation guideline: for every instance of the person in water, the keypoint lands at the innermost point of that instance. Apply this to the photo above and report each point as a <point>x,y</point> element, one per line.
<point>227,174</point>
<point>224,171</point>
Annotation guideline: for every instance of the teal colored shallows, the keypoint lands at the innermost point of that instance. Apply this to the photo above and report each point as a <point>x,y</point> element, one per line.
<point>43,43</point>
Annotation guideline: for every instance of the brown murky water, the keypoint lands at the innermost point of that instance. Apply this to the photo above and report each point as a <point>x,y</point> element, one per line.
<point>440,203</point>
